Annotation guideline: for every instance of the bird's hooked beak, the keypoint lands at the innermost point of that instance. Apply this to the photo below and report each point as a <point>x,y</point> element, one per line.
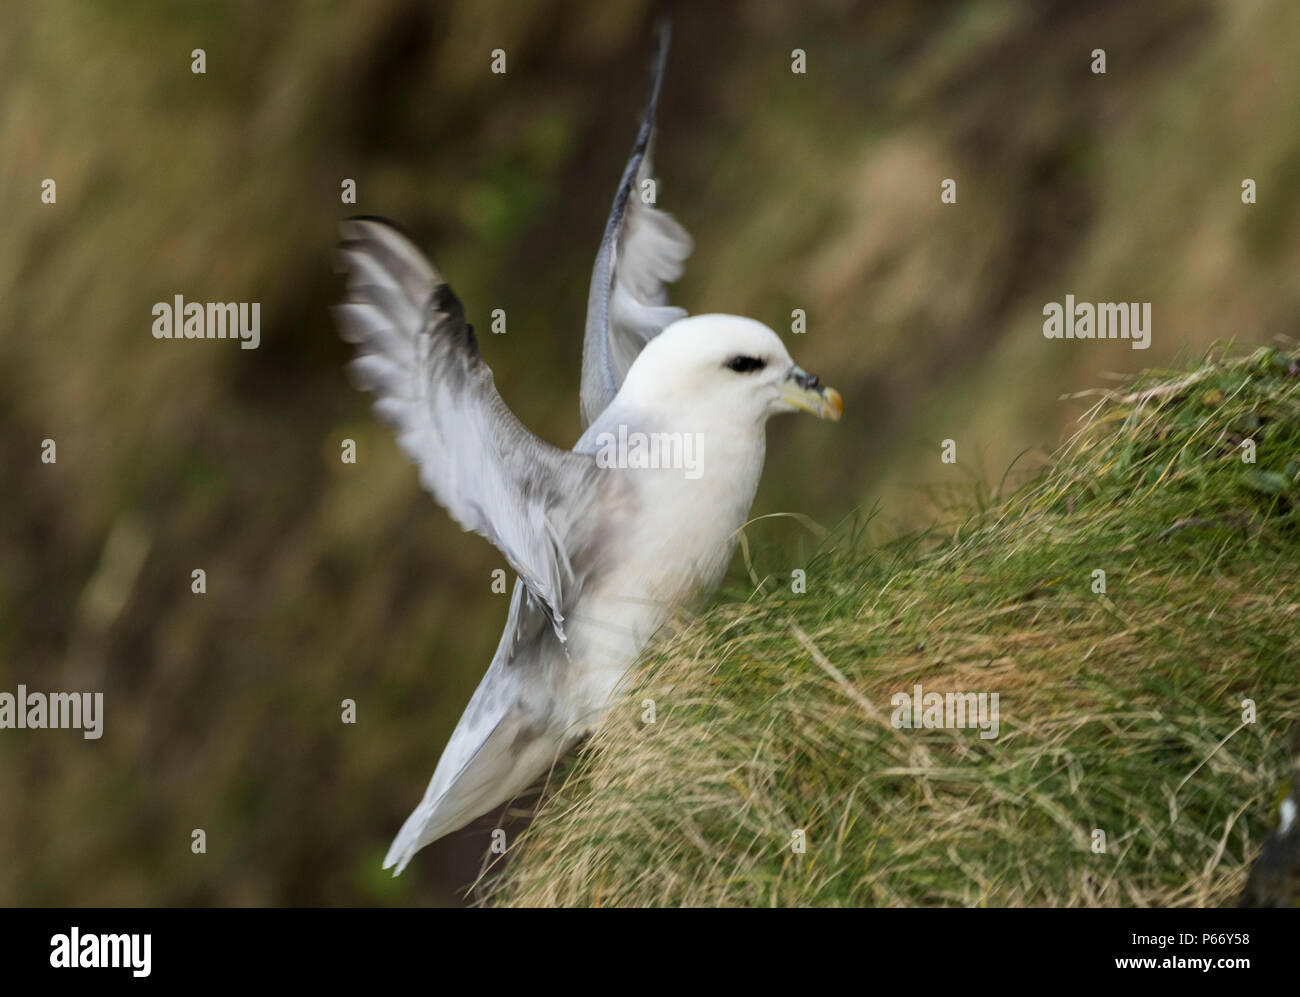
<point>805,392</point>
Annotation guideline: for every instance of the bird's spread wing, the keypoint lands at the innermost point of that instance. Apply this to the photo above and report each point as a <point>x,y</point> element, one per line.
<point>642,251</point>
<point>420,357</point>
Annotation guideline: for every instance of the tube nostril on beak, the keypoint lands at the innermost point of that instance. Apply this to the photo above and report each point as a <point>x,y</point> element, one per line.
<point>806,380</point>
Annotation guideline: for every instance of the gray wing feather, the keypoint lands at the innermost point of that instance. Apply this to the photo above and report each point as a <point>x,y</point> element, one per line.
<point>501,741</point>
<point>642,251</point>
<point>420,357</point>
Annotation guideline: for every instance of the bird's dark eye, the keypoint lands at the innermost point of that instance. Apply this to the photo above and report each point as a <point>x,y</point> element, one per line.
<point>746,365</point>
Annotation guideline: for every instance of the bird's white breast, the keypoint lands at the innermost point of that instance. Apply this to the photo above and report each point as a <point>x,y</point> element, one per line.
<point>677,545</point>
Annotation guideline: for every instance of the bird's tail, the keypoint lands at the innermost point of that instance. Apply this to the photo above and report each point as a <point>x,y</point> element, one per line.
<point>404,846</point>
<point>423,827</point>
<point>451,803</point>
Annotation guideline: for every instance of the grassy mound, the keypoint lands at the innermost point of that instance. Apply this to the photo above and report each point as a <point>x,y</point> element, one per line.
<point>1120,712</point>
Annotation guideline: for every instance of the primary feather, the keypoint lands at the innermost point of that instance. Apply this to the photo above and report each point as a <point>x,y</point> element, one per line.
<point>420,357</point>
<point>643,250</point>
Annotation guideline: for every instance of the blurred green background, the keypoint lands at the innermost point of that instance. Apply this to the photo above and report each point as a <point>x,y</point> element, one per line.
<point>329,581</point>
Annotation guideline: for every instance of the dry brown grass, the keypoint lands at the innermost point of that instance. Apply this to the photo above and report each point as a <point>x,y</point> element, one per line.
<point>1120,712</point>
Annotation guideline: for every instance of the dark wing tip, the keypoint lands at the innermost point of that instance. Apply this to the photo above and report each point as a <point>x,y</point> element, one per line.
<point>445,302</point>
<point>358,223</point>
<point>664,34</point>
<point>379,243</point>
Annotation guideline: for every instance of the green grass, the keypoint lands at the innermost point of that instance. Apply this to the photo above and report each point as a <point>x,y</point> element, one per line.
<point>1120,712</point>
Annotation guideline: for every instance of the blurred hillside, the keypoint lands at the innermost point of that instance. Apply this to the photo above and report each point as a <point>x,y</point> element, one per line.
<point>329,581</point>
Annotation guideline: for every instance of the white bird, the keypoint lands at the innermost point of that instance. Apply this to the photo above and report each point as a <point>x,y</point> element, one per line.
<point>604,549</point>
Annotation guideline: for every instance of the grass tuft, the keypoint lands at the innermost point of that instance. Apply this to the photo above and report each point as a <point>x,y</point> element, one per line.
<point>1120,712</point>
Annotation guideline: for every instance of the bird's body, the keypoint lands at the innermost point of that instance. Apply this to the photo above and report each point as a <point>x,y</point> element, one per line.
<point>656,553</point>
<point>607,545</point>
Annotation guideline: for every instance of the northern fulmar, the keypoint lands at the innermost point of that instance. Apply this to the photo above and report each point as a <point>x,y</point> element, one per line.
<point>606,539</point>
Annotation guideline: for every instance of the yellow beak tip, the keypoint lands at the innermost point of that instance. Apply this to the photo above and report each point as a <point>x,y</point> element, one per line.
<point>834,405</point>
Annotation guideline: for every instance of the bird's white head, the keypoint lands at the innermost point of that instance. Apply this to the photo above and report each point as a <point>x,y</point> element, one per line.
<point>726,365</point>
